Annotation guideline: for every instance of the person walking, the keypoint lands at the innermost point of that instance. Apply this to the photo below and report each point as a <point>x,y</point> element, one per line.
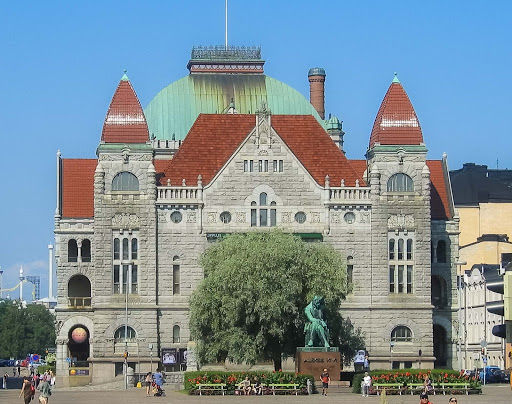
<point>26,390</point>
<point>325,379</point>
<point>4,382</point>
<point>367,382</point>
<point>45,391</point>
<point>147,381</point>
<point>13,371</point>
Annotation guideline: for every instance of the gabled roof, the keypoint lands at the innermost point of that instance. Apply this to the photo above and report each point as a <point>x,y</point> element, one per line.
<point>213,139</point>
<point>78,188</point>
<point>396,122</point>
<point>125,121</point>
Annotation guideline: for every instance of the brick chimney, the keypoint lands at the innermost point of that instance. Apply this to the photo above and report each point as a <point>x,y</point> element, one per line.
<point>316,77</point>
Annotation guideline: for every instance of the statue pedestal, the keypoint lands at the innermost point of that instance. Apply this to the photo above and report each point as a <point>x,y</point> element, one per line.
<point>314,360</point>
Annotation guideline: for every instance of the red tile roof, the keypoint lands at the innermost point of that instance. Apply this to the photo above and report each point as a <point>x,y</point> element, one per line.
<point>125,121</point>
<point>78,187</point>
<point>439,203</point>
<point>213,139</point>
<point>396,122</point>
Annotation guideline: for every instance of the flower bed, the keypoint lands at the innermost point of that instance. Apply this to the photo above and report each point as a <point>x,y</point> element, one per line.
<point>407,376</point>
<point>233,379</point>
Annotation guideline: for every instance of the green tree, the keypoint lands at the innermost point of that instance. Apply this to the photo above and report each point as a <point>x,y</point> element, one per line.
<point>250,306</point>
<point>25,330</point>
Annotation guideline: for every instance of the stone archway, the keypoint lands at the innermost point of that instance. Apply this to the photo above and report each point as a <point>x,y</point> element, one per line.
<point>440,346</point>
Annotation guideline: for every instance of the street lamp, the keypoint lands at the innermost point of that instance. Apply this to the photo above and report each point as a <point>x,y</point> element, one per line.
<point>126,336</point>
<point>459,312</point>
<point>151,356</point>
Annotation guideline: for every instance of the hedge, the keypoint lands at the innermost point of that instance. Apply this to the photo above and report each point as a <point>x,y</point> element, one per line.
<point>405,376</point>
<point>233,379</point>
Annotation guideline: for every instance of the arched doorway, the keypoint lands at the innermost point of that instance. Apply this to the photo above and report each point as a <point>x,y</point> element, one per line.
<point>78,345</point>
<point>440,347</point>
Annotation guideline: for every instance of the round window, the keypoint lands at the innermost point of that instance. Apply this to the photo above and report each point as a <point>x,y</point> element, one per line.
<point>300,217</point>
<point>176,217</point>
<point>350,217</point>
<point>225,217</point>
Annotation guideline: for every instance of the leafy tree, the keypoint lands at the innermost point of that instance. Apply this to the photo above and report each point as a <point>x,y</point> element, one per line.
<point>25,330</point>
<point>250,306</point>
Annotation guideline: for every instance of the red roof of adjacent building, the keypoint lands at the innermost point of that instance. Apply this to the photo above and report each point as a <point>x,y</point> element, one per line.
<point>396,122</point>
<point>78,187</point>
<point>125,121</point>
<point>213,139</point>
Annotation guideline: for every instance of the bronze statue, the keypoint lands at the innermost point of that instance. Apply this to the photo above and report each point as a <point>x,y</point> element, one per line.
<point>317,333</point>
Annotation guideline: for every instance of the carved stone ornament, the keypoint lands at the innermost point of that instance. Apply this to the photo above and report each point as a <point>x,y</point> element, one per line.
<point>400,221</point>
<point>240,217</point>
<point>191,217</point>
<point>286,217</point>
<point>125,220</point>
<point>335,217</point>
<point>315,217</point>
<point>365,216</point>
<point>162,217</point>
<point>211,218</point>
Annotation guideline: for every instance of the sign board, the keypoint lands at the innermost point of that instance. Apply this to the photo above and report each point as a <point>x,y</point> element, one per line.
<point>484,359</point>
<point>483,344</point>
<point>34,358</point>
<point>169,356</point>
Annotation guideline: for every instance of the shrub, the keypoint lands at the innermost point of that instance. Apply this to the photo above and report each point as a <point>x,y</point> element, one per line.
<point>233,379</point>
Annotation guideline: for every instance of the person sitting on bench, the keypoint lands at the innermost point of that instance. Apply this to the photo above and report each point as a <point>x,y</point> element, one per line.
<point>246,386</point>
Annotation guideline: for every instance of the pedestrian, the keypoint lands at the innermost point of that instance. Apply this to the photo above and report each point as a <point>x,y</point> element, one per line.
<point>13,371</point>
<point>26,390</point>
<point>147,381</point>
<point>52,378</point>
<point>45,392</point>
<point>424,399</point>
<point>367,382</point>
<point>19,370</point>
<point>325,379</point>
<point>366,364</point>
<point>4,383</point>
<point>452,400</point>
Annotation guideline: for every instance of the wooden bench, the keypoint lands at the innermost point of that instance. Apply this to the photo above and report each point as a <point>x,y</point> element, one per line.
<point>418,387</point>
<point>388,386</point>
<point>211,387</point>
<point>286,388</point>
<point>455,386</point>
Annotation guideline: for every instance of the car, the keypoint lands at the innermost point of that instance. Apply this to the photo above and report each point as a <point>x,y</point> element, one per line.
<point>4,362</point>
<point>493,374</point>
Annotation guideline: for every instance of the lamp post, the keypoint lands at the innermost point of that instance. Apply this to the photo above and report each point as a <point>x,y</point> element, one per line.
<point>151,357</point>
<point>126,336</point>
<point>459,311</point>
<point>391,345</point>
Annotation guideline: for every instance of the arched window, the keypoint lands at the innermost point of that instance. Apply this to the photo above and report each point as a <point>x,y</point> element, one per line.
<point>86,250</point>
<point>79,291</point>
<point>438,291</point>
<point>123,331</point>
<point>72,251</point>
<point>176,283</point>
<point>263,216</point>
<point>350,270</point>
<point>401,334</point>
<point>176,334</point>
<point>125,181</point>
<point>441,251</point>
<point>400,182</point>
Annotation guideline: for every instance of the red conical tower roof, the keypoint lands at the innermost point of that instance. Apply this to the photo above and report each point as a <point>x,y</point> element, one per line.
<point>125,121</point>
<point>396,122</point>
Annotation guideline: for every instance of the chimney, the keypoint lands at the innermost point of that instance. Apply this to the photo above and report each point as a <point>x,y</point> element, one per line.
<point>316,77</point>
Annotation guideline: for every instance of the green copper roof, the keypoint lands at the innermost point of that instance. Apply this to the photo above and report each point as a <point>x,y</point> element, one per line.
<point>395,79</point>
<point>177,106</point>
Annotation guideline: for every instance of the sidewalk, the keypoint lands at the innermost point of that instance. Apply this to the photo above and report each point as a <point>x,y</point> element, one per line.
<point>494,394</point>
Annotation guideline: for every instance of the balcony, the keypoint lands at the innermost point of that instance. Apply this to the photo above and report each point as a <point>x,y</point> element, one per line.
<point>80,302</point>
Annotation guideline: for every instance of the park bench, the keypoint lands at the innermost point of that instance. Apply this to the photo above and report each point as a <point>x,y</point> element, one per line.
<point>284,387</point>
<point>211,388</point>
<point>398,387</point>
<point>418,388</point>
<point>461,386</point>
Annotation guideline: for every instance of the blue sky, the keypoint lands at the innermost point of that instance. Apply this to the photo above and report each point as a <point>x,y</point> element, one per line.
<point>61,61</point>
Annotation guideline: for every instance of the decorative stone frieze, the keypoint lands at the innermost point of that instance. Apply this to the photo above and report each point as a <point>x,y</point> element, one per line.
<point>400,221</point>
<point>125,220</point>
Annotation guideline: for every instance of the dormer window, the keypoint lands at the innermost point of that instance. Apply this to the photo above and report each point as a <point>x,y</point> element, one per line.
<point>400,182</point>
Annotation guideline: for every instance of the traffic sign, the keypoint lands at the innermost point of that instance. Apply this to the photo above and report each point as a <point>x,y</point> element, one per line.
<point>483,344</point>
<point>35,358</point>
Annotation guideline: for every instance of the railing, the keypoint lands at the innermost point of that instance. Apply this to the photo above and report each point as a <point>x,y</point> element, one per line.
<point>349,194</point>
<point>221,52</point>
<point>192,194</point>
<point>79,302</point>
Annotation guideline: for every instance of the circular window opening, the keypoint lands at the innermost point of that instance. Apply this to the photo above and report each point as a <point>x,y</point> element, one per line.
<point>225,217</point>
<point>176,217</point>
<point>300,217</point>
<point>350,217</point>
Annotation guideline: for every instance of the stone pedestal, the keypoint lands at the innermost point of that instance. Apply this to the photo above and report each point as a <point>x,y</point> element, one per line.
<point>313,361</point>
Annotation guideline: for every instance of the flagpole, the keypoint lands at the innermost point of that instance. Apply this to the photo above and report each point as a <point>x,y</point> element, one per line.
<point>226,24</point>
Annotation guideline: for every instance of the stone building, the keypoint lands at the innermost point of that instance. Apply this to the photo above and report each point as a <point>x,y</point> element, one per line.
<point>228,149</point>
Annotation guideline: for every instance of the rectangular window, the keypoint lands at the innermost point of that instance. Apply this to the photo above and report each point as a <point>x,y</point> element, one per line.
<point>400,279</point>
<point>117,249</point>
<point>391,279</point>
<point>274,166</point>
<point>260,166</point>
<point>134,248</point>
<point>409,249</point>
<point>133,281</point>
<point>253,218</point>
<point>116,280</point>
<point>391,249</point>
<point>400,249</point>
<point>246,166</point>
<point>280,166</point>
<point>124,280</point>
<point>175,279</point>
<point>125,249</point>
<point>409,278</point>
<point>265,166</point>
<point>251,166</point>
<point>350,273</point>
<point>273,221</point>
<point>263,217</point>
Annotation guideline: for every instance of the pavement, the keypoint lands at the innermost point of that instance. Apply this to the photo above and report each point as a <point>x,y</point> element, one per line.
<point>112,394</point>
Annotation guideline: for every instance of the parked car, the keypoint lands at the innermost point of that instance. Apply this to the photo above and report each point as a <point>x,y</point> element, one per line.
<point>493,374</point>
<point>4,362</point>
